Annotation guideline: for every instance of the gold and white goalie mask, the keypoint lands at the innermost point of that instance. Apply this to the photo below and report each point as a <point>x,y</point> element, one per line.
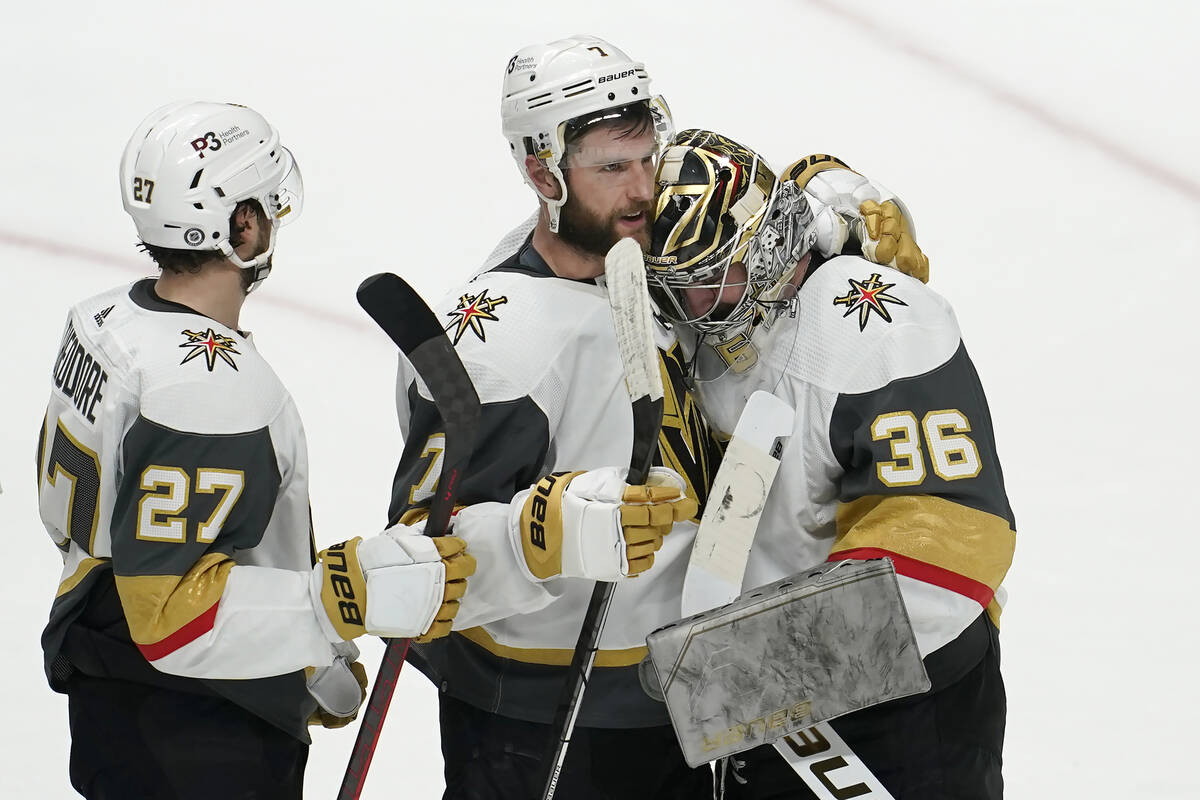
<point>726,239</point>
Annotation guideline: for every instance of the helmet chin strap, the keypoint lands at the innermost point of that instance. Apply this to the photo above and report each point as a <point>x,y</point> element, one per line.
<point>553,206</point>
<point>260,265</point>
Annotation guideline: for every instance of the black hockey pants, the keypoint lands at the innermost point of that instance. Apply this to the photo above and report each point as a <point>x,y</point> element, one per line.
<point>942,745</point>
<point>489,757</point>
<point>131,740</point>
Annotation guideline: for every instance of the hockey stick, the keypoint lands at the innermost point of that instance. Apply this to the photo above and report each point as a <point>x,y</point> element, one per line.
<point>718,563</point>
<point>407,320</point>
<point>736,502</point>
<point>630,304</point>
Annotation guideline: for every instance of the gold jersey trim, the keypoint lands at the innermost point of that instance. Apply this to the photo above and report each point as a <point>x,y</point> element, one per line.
<point>82,571</point>
<point>963,540</point>
<point>157,606</point>
<point>557,657</point>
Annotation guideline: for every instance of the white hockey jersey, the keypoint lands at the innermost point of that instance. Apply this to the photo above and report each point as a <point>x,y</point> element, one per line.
<point>173,476</point>
<point>543,357</point>
<point>892,453</point>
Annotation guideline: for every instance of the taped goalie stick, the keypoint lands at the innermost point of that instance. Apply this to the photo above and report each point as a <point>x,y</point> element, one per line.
<point>625,276</point>
<point>407,320</point>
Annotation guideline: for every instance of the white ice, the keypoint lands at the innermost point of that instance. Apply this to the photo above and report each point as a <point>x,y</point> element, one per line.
<point>1047,149</point>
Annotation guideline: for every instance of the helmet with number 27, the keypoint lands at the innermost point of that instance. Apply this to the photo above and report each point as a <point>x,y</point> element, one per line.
<point>188,165</point>
<point>548,87</point>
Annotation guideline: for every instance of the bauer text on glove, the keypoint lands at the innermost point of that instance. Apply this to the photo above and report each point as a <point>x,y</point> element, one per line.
<point>594,525</point>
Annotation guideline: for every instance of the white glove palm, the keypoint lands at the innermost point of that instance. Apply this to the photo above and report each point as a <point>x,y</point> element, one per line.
<point>594,525</point>
<point>339,689</point>
<point>397,584</point>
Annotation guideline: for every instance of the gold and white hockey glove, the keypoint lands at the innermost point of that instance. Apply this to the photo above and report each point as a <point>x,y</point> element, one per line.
<point>399,584</point>
<point>594,525</point>
<point>886,238</point>
<point>339,689</point>
<point>846,204</point>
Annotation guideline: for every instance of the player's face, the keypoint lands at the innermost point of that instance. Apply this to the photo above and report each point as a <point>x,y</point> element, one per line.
<point>716,299</point>
<point>251,230</point>
<point>610,182</point>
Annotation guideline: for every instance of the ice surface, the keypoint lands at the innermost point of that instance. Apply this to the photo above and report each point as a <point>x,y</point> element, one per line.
<point>1047,150</point>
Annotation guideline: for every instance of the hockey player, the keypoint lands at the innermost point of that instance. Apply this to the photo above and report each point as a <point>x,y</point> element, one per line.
<point>892,453</point>
<point>536,336</point>
<point>173,477</point>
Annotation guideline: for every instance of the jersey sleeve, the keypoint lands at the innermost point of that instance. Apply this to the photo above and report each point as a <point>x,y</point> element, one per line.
<point>186,506</point>
<point>511,448</point>
<point>511,451</point>
<point>922,485</point>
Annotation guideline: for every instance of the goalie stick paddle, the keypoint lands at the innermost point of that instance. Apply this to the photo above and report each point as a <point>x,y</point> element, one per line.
<point>736,502</point>
<point>629,301</point>
<point>407,320</point>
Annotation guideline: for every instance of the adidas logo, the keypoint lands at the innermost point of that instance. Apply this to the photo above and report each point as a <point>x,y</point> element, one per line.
<point>101,316</point>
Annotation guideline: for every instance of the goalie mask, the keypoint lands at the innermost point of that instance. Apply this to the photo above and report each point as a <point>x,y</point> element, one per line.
<point>188,165</point>
<point>554,90</point>
<point>726,239</point>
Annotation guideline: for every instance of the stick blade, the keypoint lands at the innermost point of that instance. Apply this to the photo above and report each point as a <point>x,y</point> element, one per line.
<point>625,274</point>
<point>399,310</point>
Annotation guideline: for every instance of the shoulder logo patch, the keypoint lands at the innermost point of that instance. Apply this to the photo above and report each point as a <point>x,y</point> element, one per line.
<point>211,345</point>
<point>473,310</point>
<point>101,316</point>
<point>866,297</point>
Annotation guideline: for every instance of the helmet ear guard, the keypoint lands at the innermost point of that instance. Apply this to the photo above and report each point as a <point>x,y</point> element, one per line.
<point>188,165</point>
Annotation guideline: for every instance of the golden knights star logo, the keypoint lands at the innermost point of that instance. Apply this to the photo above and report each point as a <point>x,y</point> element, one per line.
<point>867,296</point>
<point>211,345</point>
<point>472,311</point>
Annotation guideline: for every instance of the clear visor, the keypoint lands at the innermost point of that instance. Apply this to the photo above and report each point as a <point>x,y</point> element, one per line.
<point>285,202</point>
<point>611,153</point>
<point>593,151</point>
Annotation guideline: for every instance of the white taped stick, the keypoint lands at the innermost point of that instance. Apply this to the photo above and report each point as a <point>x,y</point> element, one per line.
<point>625,275</point>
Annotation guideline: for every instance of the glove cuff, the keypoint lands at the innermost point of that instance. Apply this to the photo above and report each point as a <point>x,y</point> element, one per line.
<point>340,591</point>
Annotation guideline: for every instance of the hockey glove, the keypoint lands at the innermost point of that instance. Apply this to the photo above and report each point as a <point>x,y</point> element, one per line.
<point>846,204</point>
<point>339,689</point>
<point>886,239</point>
<point>594,525</point>
<point>397,584</point>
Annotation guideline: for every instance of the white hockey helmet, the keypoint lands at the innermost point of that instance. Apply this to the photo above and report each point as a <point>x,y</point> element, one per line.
<point>546,86</point>
<point>189,164</point>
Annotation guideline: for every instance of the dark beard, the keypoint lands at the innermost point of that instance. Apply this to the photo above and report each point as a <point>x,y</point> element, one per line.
<point>588,232</point>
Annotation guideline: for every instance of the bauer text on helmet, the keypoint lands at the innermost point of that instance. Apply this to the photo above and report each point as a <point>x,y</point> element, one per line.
<point>548,86</point>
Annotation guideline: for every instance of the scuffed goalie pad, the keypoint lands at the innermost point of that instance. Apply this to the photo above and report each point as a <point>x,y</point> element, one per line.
<point>831,640</point>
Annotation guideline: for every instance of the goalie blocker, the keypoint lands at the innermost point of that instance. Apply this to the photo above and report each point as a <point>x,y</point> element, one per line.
<point>838,634</point>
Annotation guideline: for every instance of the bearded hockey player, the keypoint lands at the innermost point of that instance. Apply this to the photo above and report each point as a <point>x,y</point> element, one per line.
<point>536,336</point>
<point>173,478</point>
<point>892,452</point>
